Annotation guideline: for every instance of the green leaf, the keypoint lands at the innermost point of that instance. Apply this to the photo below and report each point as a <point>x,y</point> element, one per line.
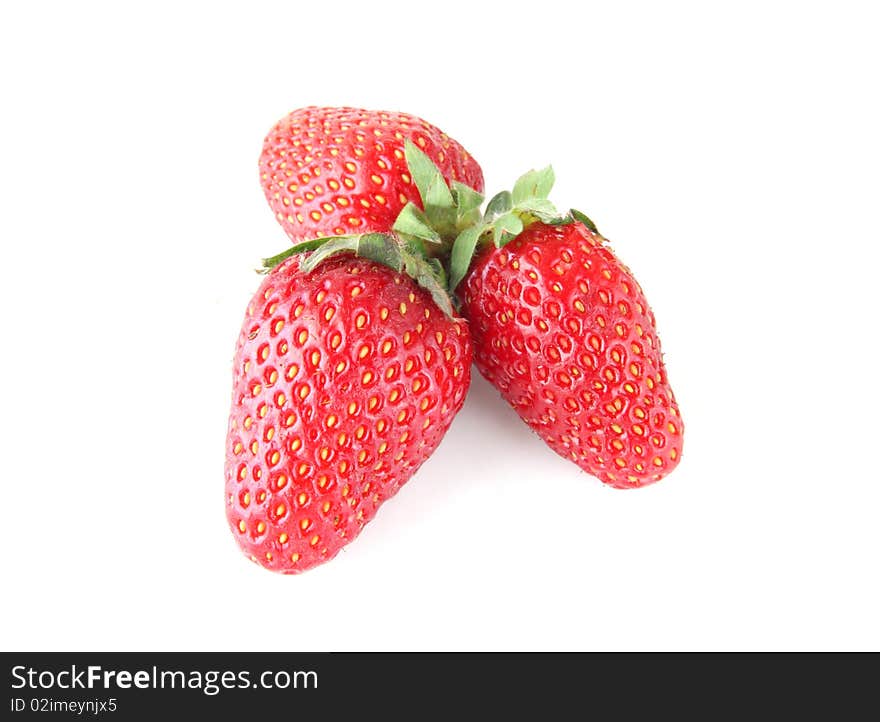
<point>438,269</point>
<point>382,248</point>
<point>506,228</point>
<point>466,198</point>
<point>534,184</point>
<point>427,177</point>
<point>438,195</point>
<point>379,247</point>
<point>540,208</point>
<point>462,252</point>
<point>500,203</point>
<point>330,248</point>
<point>412,222</point>
<point>425,273</point>
<point>269,263</point>
<point>583,218</point>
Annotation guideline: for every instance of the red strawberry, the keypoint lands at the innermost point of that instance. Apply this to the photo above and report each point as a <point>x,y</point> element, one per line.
<point>346,378</point>
<point>335,171</point>
<point>562,329</point>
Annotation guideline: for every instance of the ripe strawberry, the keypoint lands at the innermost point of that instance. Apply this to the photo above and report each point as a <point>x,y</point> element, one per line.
<point>562,329</point>
<point>334,171</point>
<point>346,377</point>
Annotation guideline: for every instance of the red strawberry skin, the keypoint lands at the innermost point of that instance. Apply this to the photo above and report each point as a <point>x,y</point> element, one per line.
<point>336,171</point>
<point>345,380</point>
<point>562,329</point>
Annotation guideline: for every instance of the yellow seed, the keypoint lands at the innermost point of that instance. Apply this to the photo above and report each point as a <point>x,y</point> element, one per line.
<point>294,557</point>
<point>261,527</point>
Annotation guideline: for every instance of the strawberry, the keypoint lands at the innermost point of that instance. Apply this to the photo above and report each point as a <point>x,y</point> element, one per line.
<point>560,327</point>
<point>347,375</point>
<point>337,171</point>
<point>563,330</point>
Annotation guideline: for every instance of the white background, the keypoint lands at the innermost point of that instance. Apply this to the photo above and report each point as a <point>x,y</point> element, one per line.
<point>730,154</point>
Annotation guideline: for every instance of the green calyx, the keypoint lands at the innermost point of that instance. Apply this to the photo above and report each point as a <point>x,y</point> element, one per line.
<point>435,244</point>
